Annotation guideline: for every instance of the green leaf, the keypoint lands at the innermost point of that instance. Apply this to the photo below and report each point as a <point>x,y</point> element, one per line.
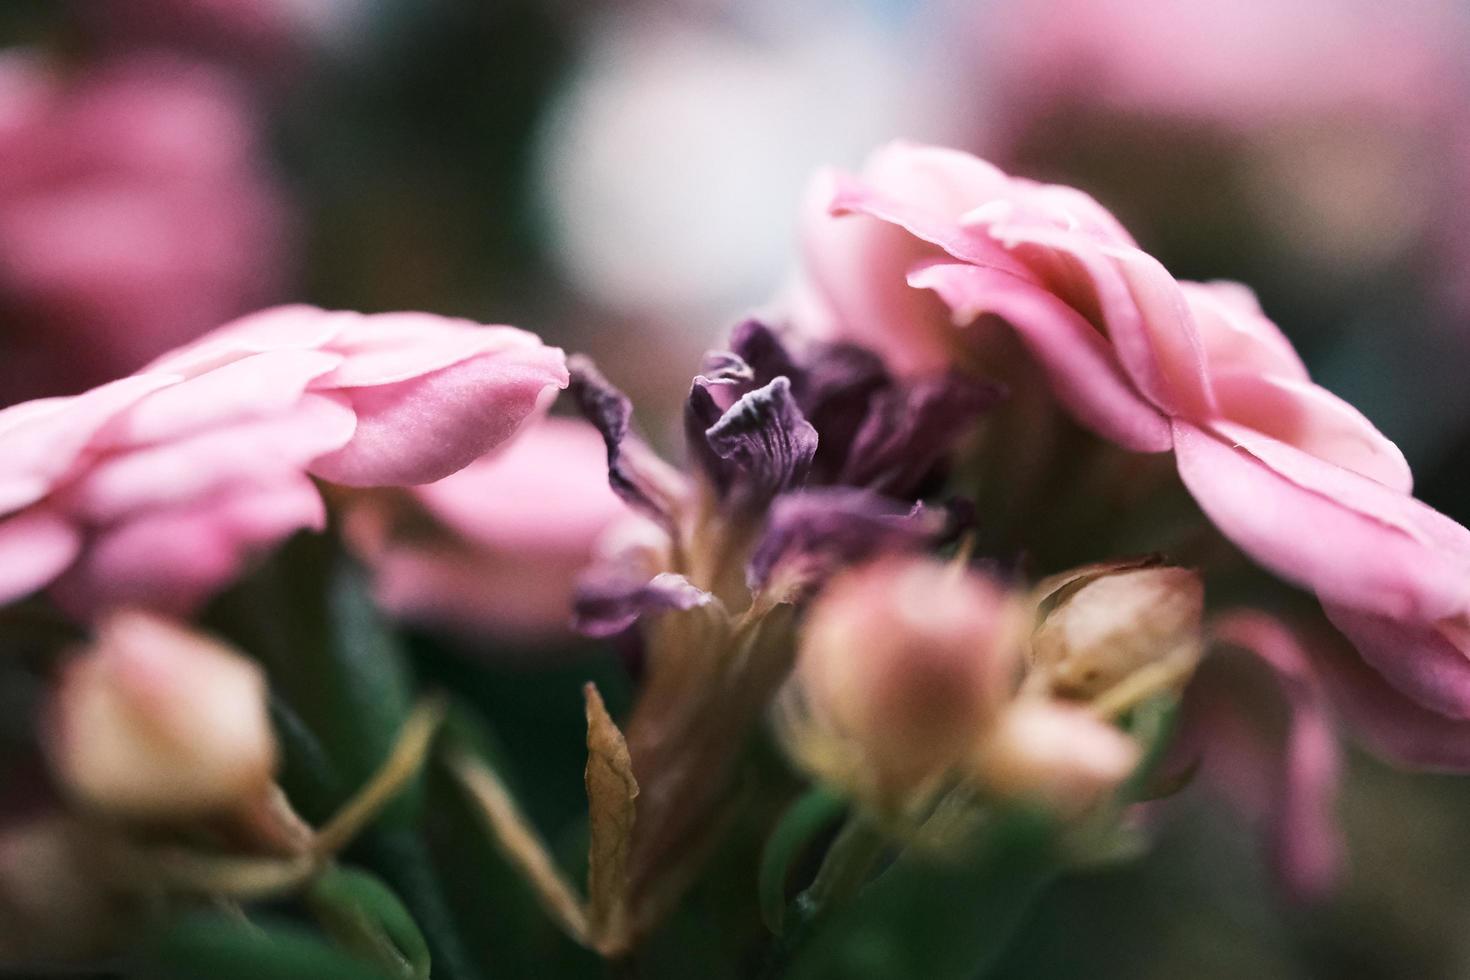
<point>939,919</point>
<point>343,683</point>
<point>813,813</point>
<point>203,945</point>
<point>363,914</point>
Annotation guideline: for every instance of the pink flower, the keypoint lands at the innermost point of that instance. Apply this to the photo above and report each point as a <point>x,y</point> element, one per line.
<point>154,489</point>
<point>135,213</point>
<point>1294,476</point>
<point>497,546</point>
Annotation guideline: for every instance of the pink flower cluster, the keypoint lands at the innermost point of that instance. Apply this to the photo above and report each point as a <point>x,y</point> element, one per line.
<point>134,215</point>
<point>155,488</point>
<point>1294,476</point>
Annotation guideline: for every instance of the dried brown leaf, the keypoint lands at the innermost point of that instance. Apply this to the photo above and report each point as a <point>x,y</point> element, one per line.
<point>611,792</point>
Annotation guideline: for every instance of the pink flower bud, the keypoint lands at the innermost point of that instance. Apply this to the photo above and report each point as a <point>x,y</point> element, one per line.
<point>156,721</point>
<point>1116,624</point>
<point>906,661</point>
<point>1061,756</point>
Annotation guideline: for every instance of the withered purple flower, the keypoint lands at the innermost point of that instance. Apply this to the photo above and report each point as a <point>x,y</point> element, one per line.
<point>801,463</point>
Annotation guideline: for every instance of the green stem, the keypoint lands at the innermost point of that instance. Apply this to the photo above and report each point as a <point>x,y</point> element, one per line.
<point>404,859</point>
<point>845,869</point>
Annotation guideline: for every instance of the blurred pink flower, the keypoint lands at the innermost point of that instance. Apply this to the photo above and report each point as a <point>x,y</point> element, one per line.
<point>497,546</point>
<point>1282,776</point>
<point>1294,476</point>
<point>155,488</point>
<point>1319,125</point>
<point>1244,63</point>
<point>262,34</point>
<point>135,213</point>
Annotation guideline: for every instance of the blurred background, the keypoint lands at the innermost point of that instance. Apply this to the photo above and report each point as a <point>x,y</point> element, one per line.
<point>624,179</point>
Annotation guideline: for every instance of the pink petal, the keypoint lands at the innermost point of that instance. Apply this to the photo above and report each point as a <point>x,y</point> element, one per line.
<point>851,195</point>
<point>1127,294</point>
<point>424,429</point>
<point>296,327</point>
<point>1303,793</point>
<point>386,348</point>
<point>545,490</point>
<point>1349,539</point>
<point>41,441</point>
<point>35,547</point>
<point>1084,372</point>
<point>225,460</point>
<point>940,180</point>
<point>855,289</point>
<point>1388,721</point>
<point>257,386</point>
<point>1311,418</point>
<point>1237,334</point>
<point>172,560</point>
<point>1418,659</point>
<point>527,597</point>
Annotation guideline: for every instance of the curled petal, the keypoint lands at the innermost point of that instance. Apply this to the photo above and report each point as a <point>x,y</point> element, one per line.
<point>813,534</point>
<point>767,441</point>
<point>1127,295</point>
<point>1237,334</point>
<point>428,426</point>
<point>711,395</point>
<point>1314,420</point>
<point>1389,722</point>
<point>763,353</point>
<point>641,479</point>
<point>609,602</point>
<point>1349,539</point>
<point>1418,659</point>
<point>1084,371</point>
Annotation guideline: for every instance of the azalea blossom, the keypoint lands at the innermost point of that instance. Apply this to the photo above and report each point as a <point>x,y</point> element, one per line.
<point>155,489</point>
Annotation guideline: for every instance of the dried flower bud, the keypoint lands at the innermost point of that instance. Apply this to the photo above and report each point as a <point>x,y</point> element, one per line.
<point>1059,755</point>
<point>157,721</point>
<point>1116,623</point>
<point>904,662</point>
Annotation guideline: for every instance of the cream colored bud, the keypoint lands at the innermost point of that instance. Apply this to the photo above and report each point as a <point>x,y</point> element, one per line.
<point>904,661</point>
<point>1116,624</point>
<point>1059,755</point>
<point>154,720</point>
